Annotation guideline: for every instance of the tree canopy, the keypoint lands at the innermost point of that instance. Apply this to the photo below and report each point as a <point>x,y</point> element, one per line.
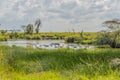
<point>111,35</point>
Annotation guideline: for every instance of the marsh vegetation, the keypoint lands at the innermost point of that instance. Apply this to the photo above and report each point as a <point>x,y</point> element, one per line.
<point>61,64</point>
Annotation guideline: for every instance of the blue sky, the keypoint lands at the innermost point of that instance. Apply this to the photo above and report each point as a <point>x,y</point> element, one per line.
<point>58,15</point>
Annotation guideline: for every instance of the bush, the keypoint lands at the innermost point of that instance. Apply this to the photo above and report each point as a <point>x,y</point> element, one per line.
<point>70,40</point>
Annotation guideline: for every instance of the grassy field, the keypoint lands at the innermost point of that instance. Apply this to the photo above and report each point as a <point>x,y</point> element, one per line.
<point>89,37</point>
<point>19,63</point>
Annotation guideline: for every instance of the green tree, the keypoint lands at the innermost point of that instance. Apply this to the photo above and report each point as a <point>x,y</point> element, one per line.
<point>103,38</point>
<point>29,29</point>
<point>111,35</point>
<point>37,24</point>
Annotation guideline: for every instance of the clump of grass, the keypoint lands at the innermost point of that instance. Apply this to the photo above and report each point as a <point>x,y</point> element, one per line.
<point>62,64</point>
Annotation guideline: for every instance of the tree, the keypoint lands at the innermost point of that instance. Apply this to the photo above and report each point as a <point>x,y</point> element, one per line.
<point>29,29</point>
<point>112,25</point>
<point>103,38</point>
<point>112,33</point>
<point>37,24</point>
<point>81,38</point>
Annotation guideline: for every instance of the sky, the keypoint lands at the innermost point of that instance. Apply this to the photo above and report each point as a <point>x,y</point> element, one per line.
<point>58,15</point>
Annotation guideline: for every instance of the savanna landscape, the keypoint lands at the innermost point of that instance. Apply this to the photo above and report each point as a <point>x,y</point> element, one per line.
<point>99,63</point>
<point>33,54</point>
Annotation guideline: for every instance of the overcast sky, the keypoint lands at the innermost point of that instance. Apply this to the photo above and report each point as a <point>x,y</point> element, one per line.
<point>58,15</point>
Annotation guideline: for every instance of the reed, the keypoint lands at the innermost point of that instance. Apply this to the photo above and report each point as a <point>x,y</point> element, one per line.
<point>62,64</point>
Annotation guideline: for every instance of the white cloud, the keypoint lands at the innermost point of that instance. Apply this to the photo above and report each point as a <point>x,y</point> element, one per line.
<point>60,13</point>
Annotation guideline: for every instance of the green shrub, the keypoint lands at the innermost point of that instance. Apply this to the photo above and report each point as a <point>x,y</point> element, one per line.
<point>70,40</point>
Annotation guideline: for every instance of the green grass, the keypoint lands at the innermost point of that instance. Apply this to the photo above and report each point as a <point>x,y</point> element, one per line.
<point>19,63</point>
<point>89,37</point>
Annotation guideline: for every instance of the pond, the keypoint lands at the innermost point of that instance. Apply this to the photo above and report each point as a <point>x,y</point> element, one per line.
<point>44,44</point>
<point>25,43</point>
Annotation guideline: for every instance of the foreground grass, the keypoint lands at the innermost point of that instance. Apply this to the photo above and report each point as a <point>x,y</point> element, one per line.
<point>19,63</point>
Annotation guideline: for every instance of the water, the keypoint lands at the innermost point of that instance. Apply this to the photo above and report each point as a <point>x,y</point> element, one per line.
<point>25,43</point>
<point>45,44</point>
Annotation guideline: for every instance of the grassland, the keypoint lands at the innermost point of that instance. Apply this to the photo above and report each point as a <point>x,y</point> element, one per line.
<point>89,37</point>
<point>19,63</point>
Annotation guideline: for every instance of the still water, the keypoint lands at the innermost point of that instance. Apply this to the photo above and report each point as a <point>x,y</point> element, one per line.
<point>25,43</point>
<point>45,44</point>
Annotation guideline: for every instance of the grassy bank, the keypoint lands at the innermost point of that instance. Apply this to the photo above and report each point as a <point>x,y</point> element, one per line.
<point>89,37</point>
<point>19,63</point>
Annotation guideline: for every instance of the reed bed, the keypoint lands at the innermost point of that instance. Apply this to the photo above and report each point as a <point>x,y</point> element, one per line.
<point>18,63</point>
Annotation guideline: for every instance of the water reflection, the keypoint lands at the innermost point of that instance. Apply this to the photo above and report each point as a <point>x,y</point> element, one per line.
<point>25,43</point>
<point>45,44</point>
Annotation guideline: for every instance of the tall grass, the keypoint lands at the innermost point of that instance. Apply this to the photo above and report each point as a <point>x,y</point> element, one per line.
<point>62,64</point>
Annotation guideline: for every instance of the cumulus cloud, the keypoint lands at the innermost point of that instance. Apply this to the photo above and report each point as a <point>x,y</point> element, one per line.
<point>59,15</point>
